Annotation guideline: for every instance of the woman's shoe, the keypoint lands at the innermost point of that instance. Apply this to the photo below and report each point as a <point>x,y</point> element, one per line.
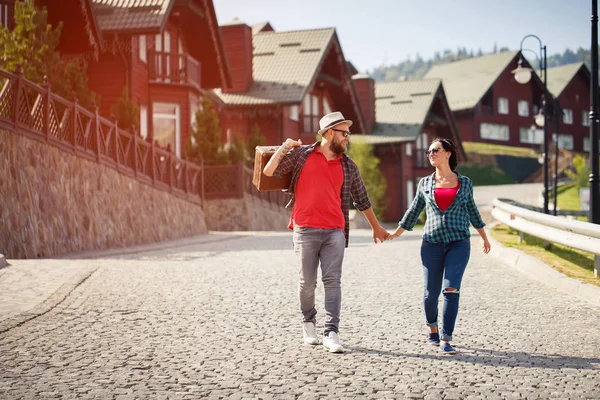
<point>447,349</point>
<point>434,338</point>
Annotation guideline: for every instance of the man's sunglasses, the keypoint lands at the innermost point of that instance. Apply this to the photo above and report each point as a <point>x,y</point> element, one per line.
<point>434,150</point>
<point>345,133</point>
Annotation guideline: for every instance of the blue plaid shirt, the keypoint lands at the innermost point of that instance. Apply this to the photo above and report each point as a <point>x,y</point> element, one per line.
<point>353,186</point>
<point>444,226</point>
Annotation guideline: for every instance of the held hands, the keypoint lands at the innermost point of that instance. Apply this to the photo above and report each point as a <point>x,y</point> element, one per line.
<point>399,231</point>
<point>380,234</point>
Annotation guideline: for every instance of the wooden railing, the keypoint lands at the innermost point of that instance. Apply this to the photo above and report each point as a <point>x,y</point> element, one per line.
<point>34,111</point>
<point>174,68</point>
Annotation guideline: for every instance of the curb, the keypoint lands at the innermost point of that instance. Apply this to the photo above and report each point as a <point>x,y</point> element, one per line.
<point>542,272</point>
<point>52,301</point>
<point>3,262</point>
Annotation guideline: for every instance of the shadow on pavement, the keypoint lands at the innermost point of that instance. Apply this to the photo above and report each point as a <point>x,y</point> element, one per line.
<point>497,358</point>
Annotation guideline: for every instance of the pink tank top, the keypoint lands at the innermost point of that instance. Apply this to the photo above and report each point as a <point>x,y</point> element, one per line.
<point>445,196</point>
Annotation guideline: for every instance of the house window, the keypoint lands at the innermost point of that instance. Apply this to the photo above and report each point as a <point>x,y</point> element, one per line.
<point>167,126</point>
<point>565,141</point>
<point>4,15</point>
<point>144,121</point>
<point>585,118</point>
<point>410,192</point>
<point>408,149</point>
<point>180,49</point>
<point>494,132</point>
<point>523,108</point>
<point>142,49</point>
<point>310,108</point>
<point>326,106</point>
<point>295,113</point>
<point>162,46</point>
<point>502,105</point>
<point>567,116</point>
<point>586,144</point>
<point>531,135</point>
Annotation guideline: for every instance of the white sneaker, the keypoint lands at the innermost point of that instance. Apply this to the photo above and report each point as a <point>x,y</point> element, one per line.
<point>310,333</point>
<point>332,343</point>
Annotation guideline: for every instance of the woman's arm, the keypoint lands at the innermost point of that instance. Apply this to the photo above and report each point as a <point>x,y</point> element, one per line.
<point>486,243</point>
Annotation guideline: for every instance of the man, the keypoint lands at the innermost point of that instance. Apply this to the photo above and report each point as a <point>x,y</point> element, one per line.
<point>323,181</point>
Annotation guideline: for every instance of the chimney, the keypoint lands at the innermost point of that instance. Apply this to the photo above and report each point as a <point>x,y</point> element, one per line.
<point>237,40</point>
<point>365,87</point>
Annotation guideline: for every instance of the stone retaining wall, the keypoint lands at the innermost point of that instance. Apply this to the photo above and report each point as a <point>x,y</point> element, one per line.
<point>247,214</point>
<point>53,202</point>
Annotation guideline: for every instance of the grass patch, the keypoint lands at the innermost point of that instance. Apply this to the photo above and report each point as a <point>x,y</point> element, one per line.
<point>485,175</point>
<point>572,263</point>
<point>498,149</point>
<point>568,197</point>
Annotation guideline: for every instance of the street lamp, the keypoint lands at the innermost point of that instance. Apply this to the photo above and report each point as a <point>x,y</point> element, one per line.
<point>594,176</point>
<point>523,76</point>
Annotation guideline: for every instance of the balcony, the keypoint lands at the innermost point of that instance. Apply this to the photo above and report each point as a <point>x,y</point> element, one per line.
<point>174,69</point>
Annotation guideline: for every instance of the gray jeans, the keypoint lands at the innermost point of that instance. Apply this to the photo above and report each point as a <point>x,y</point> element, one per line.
<point>327,246</point>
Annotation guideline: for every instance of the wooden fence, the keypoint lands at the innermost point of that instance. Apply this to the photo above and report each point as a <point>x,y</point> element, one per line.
<point>34,111</point>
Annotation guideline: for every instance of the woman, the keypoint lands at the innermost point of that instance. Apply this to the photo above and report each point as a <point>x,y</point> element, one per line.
<point>447,197</point>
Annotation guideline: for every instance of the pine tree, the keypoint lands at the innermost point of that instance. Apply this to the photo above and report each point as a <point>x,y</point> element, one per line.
<point>255,139</point>
<point>126,111</point>
<point>205,141</point>
<point>32,44</point>
<point>368,165</point>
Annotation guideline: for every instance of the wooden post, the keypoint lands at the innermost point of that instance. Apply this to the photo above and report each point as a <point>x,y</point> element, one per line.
<point>74,122</point>
<point>153,161</point>
<point>46,116</point>
<point>116,143</point>
<point>97,131</point>
<point>18,85</point>
<point>135,153</point>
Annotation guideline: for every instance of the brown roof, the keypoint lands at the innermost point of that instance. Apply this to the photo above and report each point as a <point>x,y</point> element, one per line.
<point>284,65</point>
<point>131,15</point>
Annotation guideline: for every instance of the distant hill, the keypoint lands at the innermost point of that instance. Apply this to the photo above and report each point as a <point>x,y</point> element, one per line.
<point>418,68</point>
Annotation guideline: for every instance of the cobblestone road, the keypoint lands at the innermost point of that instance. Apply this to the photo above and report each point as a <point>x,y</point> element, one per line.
<point>221,320</point>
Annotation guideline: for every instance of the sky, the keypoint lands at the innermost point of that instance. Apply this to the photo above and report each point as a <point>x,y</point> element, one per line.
<point>386,32</point>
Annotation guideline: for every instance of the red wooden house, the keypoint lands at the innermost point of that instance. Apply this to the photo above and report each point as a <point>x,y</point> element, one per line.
<point>284,82</point>
<point>570,85</point>
<point>165,52</point>
<point>488,104</point>
<point>408,116</point>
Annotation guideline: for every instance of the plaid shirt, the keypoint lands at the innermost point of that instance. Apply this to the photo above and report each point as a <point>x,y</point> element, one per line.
<point>353,185</point>
<point>444,226</point>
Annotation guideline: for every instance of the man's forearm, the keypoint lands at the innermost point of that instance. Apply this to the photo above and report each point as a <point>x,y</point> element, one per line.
<point>370,215</point>
<point>275,160</point>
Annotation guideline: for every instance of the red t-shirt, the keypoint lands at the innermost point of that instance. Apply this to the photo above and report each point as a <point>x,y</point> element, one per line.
<point>318,193</point>
<point>445,196</point>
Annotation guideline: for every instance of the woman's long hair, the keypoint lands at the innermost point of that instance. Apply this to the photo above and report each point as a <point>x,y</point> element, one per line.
<point>449,147</point>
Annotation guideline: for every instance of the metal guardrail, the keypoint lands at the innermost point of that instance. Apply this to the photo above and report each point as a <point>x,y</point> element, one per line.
<point>579,235</point>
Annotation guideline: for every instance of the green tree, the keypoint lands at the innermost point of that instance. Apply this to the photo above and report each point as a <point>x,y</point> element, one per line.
<point>368,164</point>
<point>205,142</point>
<point>255,139</point>
<point>126,111</point>
<point>582,172</point>
<point>32,44</point>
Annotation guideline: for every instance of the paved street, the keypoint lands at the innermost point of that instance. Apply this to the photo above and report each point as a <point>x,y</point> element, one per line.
<point>218,318</point>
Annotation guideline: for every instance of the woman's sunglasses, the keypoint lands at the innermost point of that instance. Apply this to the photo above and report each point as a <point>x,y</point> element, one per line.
<point>434,151</point>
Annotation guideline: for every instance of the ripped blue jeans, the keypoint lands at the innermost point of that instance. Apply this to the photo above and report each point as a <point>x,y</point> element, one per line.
<point>443,265</point>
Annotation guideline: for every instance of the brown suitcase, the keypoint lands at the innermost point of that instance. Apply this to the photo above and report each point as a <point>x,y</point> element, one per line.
<point>262,182</point>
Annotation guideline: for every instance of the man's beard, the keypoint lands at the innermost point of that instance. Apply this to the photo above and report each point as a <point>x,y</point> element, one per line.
<point>337,148</point>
